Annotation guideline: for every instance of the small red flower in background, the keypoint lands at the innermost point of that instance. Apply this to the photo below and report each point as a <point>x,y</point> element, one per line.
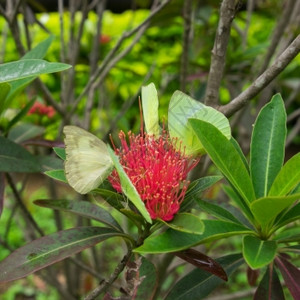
<point>104,39</point>
<point>42,109</point>
<point>157,170</point>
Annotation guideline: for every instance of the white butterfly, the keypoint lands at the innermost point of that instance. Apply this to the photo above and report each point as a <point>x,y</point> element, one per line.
<point>88,162</point>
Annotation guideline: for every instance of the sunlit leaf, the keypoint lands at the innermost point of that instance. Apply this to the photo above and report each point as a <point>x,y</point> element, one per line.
<point>267,145</point>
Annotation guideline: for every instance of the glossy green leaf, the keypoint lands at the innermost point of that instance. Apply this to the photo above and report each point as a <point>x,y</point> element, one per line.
<point>150,109</point>
<point>50,249</point>
<point>258,253</point>
<point>60,152</point>
<point>82,208</point>
<point>15,158</point>
<point>266,209</point>
<point>270,287</point>
<point>198,283</point>
<point>173,241</point>
<point>57,175</point>
<point>23,132</point>
<point>27,68</point>
<point>196,188</point>
<point>181,108</point>
<point>291,215</point>
<point>186,222</point>
<point>225,157</point>
<point>148,285</point>
<point>217,211</point>
<point>4,91</point>
<point>287,178</point>
<point>267,145</point>
<point>40,50</point>
<point>128,188</point>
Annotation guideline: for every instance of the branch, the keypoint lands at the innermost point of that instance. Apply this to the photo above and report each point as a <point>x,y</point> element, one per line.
<point>263,80</point>
<point>106,284</point>
<point>218,53</point>
<point>278,32</point>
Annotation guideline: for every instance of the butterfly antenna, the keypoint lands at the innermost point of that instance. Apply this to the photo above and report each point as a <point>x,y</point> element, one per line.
<point>141,117</point>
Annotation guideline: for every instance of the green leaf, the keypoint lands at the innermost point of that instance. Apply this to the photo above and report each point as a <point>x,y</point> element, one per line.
<point>111,197</point>
<point>150,109</point>
<point>23,132</point>
<point>60,152</point>
<point>290,216</point>
<point>15,158</point>
<point>225,157</point>
<point>82,208</point>
<point>266,209</point>
<point>27,68</point>
<point>4,91</point>
<point>196,188</point>
<point>290,234</point>
<point>287,178</point>
<point>239,150</point>
<point>267,145</point>
<point>198,283</point>
<point>49,163</point>
<point>50,249</point>
<point>128,188</point>
<point>186,222</point>
<point>258,253</point>
<point>40,50</point>
<point>181,108</point>
<point>57,175</point>
<point>172,240</point>
<point>217,211</point>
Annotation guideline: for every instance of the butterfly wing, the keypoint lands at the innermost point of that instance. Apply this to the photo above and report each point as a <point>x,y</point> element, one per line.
<point>88,162</point>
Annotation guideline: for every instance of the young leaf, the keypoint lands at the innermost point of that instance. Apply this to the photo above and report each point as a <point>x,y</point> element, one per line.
<point>40,50</point>
<point>195,188</point>
<point>181,108</point>
<point>173,240</point>
<point>14,158</point>
<point>291,275</point>
<point>27,68</point>
<point>258,253</point>
<point>186,222</point>
<point>50,249</point>
<point>267,145</point>
<point>198,283</point>
<point>266,209</point>
<point>225,157</point>
<point>203,262</point>
<point>60,152</point>
<point>82,208</point>
<point>128,188</point>
<point>217,211</point>
<point>150,109</point>
<point>57,175</point>
<point>270,287</point>
<point>287,178</point>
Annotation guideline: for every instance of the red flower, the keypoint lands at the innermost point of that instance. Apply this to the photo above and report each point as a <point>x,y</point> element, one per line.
<point>157,170</point>
<point>42,109</point>
<point>104,39</point>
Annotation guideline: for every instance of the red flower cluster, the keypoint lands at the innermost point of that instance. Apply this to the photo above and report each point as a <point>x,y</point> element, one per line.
<point>42,109</point>
<point>157,170</point>
<point>104,39</point>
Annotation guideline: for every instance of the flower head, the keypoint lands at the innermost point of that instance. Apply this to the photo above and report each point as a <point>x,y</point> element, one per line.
<point>42,109</point>
<point>157,170</point>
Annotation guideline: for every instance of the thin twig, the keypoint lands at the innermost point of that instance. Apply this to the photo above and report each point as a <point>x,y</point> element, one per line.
<point>250,7</point>
<point>102,288</point>
<point>111,54</point>
<point>218,53</point>
<point>263,80</point>
<point>278,33</point>
<point>187,17</point>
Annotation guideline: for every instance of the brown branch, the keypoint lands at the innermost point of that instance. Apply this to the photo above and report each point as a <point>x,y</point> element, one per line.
<point>278,33</point>
<point>218,53</point>
<point>187,16</point>
<point>263,80</point>
<point>102,288</point>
